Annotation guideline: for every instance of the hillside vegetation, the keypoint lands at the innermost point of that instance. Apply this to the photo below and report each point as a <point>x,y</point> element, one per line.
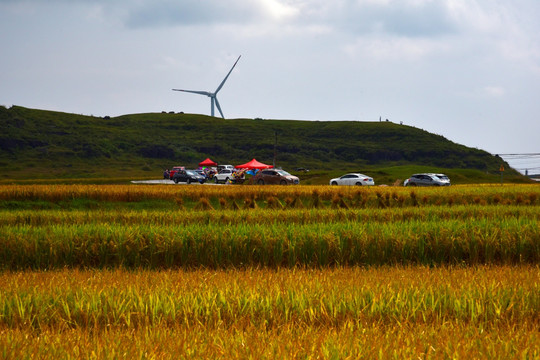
<point>49,144</point>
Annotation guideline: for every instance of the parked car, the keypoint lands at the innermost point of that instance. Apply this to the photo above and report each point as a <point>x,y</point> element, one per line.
<point>188,176</point>
<point>353,179</point>
<point>202,173</point>
<point>275,176</point>
<point>223,176</point>
<point>174,170</point>
<point>427,179</point>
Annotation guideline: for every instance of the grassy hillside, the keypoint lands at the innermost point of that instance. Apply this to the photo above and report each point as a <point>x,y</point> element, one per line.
<point>45,144</point>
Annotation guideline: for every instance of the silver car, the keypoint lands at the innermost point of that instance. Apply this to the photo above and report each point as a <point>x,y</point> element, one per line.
<point>427,179</point>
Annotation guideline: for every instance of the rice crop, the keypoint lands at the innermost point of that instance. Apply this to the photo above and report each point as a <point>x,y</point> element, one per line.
<point>383,312</point>
<point>230,226</point>
<point>267,215</point>
<point>205,243</point>
<point>353,196</point>
<point>117,271</point>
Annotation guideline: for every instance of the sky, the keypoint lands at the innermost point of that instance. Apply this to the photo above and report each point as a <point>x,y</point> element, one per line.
<point>465,69</point>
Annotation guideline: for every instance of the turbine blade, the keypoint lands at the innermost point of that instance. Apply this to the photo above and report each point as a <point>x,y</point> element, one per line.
<point>195,92</point>
<point>219,108</point>
<point>230,71</point>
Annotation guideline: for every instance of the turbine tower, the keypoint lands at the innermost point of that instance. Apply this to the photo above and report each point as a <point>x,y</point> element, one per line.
<point>213,95</point>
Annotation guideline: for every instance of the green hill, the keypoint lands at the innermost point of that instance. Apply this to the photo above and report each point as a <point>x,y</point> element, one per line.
<point>42,144</point>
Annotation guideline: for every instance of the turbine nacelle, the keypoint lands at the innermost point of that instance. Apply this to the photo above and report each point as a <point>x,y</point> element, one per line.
<point>213,96</point>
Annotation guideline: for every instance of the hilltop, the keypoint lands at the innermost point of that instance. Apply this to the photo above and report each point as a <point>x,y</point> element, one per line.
<point>47,144</point>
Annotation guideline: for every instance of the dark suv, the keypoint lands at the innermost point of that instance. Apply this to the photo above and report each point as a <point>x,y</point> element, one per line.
<point>188,176</point>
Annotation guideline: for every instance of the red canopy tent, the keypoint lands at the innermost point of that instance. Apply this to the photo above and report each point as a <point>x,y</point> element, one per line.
<point>253,164</point>
<point>207,162</point>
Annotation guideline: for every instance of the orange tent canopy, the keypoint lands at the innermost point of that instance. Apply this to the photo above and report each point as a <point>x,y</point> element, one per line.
<point>253,164</point>
<point>207,162</point>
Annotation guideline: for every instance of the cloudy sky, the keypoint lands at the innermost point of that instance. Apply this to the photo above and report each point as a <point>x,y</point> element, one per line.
<point>465,69</point>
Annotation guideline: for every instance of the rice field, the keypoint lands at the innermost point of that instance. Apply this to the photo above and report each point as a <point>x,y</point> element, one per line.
<point>386,312</point>
<point>267,272</point>
<point>357,196</point>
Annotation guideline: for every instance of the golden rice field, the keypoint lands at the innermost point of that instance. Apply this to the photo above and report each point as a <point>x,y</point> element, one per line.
<point>263,272</point>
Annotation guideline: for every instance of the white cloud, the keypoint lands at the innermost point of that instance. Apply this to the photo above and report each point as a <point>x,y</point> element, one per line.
<point>493,91</point>
<point>206,13</point>
<point>507,29</point>
<point>278,10</point>
<point>394,49</point>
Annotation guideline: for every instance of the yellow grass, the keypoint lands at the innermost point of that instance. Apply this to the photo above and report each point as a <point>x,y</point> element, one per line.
<point>387,312</point>
<point>395,196</point>
<point>114,306</point>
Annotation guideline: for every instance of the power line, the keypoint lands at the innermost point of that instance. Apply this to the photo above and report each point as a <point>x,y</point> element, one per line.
<point>527,154</point>
<point>523,162</point>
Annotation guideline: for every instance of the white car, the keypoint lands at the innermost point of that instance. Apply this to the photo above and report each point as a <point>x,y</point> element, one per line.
<point>353,179</point>
<point>223,176</point>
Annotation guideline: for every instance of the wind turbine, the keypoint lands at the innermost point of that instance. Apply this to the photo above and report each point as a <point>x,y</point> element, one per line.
<point>212,95</point>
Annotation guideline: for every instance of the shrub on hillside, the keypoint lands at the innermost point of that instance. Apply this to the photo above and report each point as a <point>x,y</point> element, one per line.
<point>156,152</point>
